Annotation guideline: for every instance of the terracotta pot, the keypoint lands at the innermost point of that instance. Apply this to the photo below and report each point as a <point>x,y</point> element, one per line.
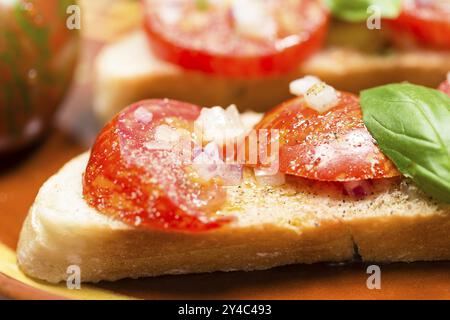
<point>38,54</point>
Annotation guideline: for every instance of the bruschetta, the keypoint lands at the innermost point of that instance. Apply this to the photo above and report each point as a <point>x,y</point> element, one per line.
<point>247,52</point>
<point>170,188</point>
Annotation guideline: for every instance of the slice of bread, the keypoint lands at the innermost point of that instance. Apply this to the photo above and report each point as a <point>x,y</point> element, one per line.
<point>127,71</point>
<point>294,223</point>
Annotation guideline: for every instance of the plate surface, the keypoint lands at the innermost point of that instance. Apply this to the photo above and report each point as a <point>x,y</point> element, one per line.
<point>18,187</point>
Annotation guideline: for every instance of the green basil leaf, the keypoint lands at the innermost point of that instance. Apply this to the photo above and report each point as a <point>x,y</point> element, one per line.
<point>411,125</point>
<point>357,10</point>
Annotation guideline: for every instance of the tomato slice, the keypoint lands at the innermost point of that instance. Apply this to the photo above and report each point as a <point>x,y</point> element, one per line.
<point>428,22</point>
<point>333,146</point>
<point>445,87</point>
<point>135,176</point>
<point>210,36</point>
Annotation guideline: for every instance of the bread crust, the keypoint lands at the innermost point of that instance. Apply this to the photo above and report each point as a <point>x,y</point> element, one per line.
<point>402,238</point>
<point>127,71</point>
<point>275,226</point>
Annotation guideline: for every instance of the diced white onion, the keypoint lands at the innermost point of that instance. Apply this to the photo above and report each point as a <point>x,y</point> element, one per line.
<point>164,133</point>
<point>141,114</point>
<point>205,168</point>
<point>300,86</point>
<point>209,165</point>
<point>212,151</point>
<point>318,95</point>
<point>263,177</point>
<point>220,125</point>
<point>252,18</point>
<point>250,119</point>
<point>321,97</point>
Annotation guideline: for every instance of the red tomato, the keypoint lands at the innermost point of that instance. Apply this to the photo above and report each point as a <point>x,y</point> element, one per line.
<point>134,177</point>
<point>428,22</point>
<point>38,56</point>
<point>206,36</point>
<point>333,146</point>
<point>445,87</point>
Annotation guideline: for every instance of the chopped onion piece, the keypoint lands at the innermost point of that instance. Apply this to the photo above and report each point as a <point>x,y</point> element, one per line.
<point>252,18</point>
<point>164,133</point>
<point>219,125</point>
<point>142,115</point>
<point>208,162</point>
<point>212,151</point>
<point>209,165</point>
<point>357,189</point>
<point>250,119</point>
<point>301,86</point>
<point>321,97</point>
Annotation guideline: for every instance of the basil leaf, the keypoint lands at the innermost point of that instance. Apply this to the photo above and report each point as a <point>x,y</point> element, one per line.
<point>412,127</point>
<point>357,10</point>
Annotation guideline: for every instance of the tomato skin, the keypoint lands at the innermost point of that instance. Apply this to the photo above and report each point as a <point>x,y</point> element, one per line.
<point>445,87</point>
<point>234,63</point>
<point>333,146</point>
<point>145,188</point>
<point>426,23</point>
<point>38,55</point>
